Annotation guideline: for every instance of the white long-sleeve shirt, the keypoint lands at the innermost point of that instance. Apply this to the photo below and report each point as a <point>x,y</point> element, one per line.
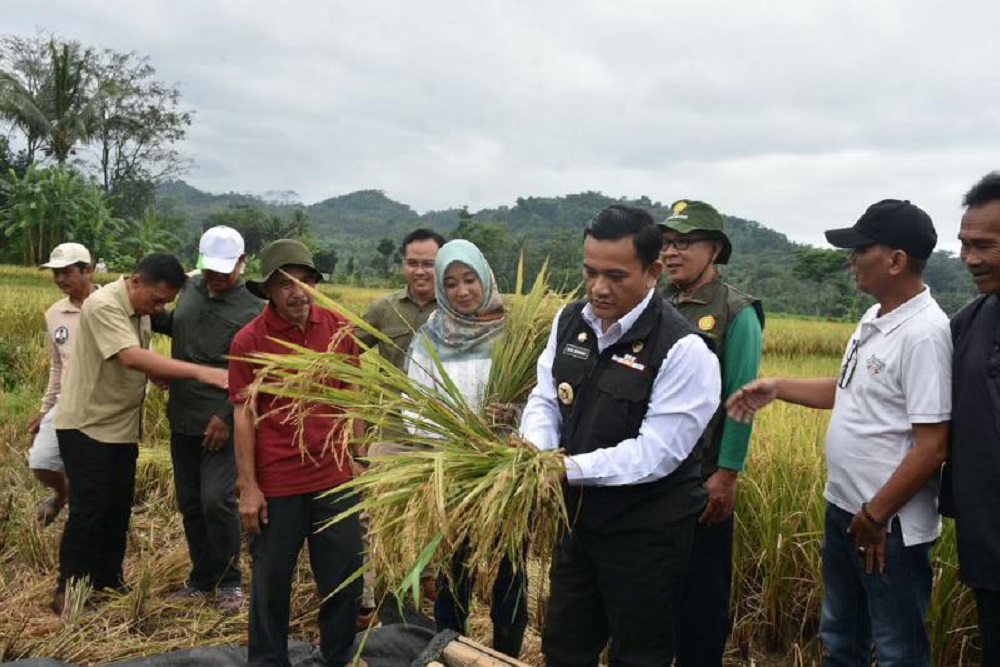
<point>685,395</point>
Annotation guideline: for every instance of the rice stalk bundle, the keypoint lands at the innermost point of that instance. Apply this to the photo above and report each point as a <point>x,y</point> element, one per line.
<point>465,487</point>
<point>516,352</point>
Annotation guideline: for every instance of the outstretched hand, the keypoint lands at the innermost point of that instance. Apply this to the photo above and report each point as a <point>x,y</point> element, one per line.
<point>744,404</point>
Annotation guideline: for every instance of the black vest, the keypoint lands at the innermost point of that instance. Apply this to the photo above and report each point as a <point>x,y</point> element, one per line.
<point>603,400</point>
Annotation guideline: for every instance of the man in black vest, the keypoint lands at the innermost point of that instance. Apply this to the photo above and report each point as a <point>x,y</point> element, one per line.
<point>969,490</point>
<point>626,387</point>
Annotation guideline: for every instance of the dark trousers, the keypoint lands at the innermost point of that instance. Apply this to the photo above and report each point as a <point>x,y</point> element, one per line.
<point>334,554</point>
<point>988,608</point>
<point>101,490</point>
<point>703,629</point>
<point>508,609</point>
<point>623,585</point>
<point>888,608</point>
<point>205,481</point>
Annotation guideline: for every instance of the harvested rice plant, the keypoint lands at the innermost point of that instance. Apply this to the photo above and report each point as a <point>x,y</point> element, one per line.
<point>777,584</point>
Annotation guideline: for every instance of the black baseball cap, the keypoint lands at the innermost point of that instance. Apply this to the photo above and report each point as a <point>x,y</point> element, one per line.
<point>892,222</point>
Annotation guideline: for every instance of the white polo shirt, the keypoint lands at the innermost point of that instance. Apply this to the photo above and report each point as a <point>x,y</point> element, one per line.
<point>896,373</point>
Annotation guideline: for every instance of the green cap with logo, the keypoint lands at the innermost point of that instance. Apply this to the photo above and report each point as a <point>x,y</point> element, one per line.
<point>688,215</point>
<point>278,255</point>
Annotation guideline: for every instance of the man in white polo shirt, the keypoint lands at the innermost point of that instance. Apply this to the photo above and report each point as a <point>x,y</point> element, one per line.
<point>885,446</point>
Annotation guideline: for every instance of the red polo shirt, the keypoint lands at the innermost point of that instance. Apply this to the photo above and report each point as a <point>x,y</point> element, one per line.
<point>282,469</point>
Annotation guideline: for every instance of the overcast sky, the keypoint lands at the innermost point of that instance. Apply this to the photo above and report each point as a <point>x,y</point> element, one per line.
<point>795,114</point>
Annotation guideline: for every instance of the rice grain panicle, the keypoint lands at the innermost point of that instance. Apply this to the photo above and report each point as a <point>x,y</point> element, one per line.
<point>467,485</point>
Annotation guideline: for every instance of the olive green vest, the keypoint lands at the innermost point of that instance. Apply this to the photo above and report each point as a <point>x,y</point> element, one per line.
<point>711,309</point>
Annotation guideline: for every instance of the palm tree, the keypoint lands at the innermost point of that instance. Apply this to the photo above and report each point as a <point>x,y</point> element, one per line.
<point>61,112</point>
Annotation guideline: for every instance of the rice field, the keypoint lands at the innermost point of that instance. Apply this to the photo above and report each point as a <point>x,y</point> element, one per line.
<point>777,587</point>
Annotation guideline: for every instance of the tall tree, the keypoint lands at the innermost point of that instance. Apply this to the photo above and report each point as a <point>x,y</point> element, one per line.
<point>27,60</point>
<point>140,121</point>
<point>58,113</point>
<point>385,256</point>
<point>825,269</point>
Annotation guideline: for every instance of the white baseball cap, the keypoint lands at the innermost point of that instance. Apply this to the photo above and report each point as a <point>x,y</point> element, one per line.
<point>67,254</point>
<point>220,249</point>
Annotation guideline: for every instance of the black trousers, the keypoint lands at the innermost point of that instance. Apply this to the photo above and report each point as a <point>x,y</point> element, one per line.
<point>622,585</point>
<point>334,554</point>
<point>101,490</point>
<point>508,608</point>
<point>205,481</point>
<point>988,609</point>
<point>703,629</point>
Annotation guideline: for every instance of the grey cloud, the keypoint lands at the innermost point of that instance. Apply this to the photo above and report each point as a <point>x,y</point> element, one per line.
<point>796,114</point>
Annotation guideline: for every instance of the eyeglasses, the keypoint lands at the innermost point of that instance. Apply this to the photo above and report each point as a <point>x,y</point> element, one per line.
<point>851,363</point>
<point>426,264</point>
<point>683,242</point>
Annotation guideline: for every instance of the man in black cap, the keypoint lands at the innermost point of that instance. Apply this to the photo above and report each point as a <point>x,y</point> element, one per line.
<point>886,442</point>
<point>972,472</point>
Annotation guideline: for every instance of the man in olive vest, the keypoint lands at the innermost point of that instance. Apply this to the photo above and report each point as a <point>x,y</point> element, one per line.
<point>625,387</point>
<point>694,242</point>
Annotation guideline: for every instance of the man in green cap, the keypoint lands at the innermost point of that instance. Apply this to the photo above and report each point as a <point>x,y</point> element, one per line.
<point>283,489</point>
<point>694,243</point>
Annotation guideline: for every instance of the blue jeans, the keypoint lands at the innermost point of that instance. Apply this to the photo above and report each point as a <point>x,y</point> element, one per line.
<point>888,609</point>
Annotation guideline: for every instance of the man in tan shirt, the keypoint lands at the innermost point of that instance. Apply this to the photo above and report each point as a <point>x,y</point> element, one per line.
<point>100,416</point>
<point>72,272</point>
<point>401,313</point>
<point>398,316</point>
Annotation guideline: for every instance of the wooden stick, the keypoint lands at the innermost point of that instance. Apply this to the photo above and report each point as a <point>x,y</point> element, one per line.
<point>463,652</point>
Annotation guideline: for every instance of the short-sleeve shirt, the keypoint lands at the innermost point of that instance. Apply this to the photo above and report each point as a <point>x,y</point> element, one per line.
<point>61,323</point>
<point>203,327</point>
<point>398,317</point>
<point>282,469</point>
<point>896,373</point>
<point>99,395</point>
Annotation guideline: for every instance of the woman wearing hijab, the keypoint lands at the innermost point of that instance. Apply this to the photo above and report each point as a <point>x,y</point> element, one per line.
<point>469,319</point>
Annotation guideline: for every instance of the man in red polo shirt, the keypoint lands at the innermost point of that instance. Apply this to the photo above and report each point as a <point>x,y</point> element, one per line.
<point>280,487</point>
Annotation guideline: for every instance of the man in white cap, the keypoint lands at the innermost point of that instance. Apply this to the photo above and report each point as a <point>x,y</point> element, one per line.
<point>211,308</point>
<point>72,272</point>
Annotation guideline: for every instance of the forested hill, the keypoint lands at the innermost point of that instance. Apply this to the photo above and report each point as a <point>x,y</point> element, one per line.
<point>789,277</point>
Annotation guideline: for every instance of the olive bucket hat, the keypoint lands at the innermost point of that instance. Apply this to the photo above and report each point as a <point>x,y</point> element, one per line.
<point>278,255</point>
<point>696,216</point>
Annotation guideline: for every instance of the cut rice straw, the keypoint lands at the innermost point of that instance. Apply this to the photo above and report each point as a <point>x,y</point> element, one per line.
<point>466,485</point>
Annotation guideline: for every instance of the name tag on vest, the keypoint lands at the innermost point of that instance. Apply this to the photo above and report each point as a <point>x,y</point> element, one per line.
<point>628,360</point>
<point>576,351</point>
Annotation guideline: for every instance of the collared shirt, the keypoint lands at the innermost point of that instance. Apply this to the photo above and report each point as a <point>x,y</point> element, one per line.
<point>203,328</point>
<point>282,468</point>
<point>896,372</point>
<point>685,395</point>
<point>61,323</point>
<point>397,316</point>
<point>99,395</point>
